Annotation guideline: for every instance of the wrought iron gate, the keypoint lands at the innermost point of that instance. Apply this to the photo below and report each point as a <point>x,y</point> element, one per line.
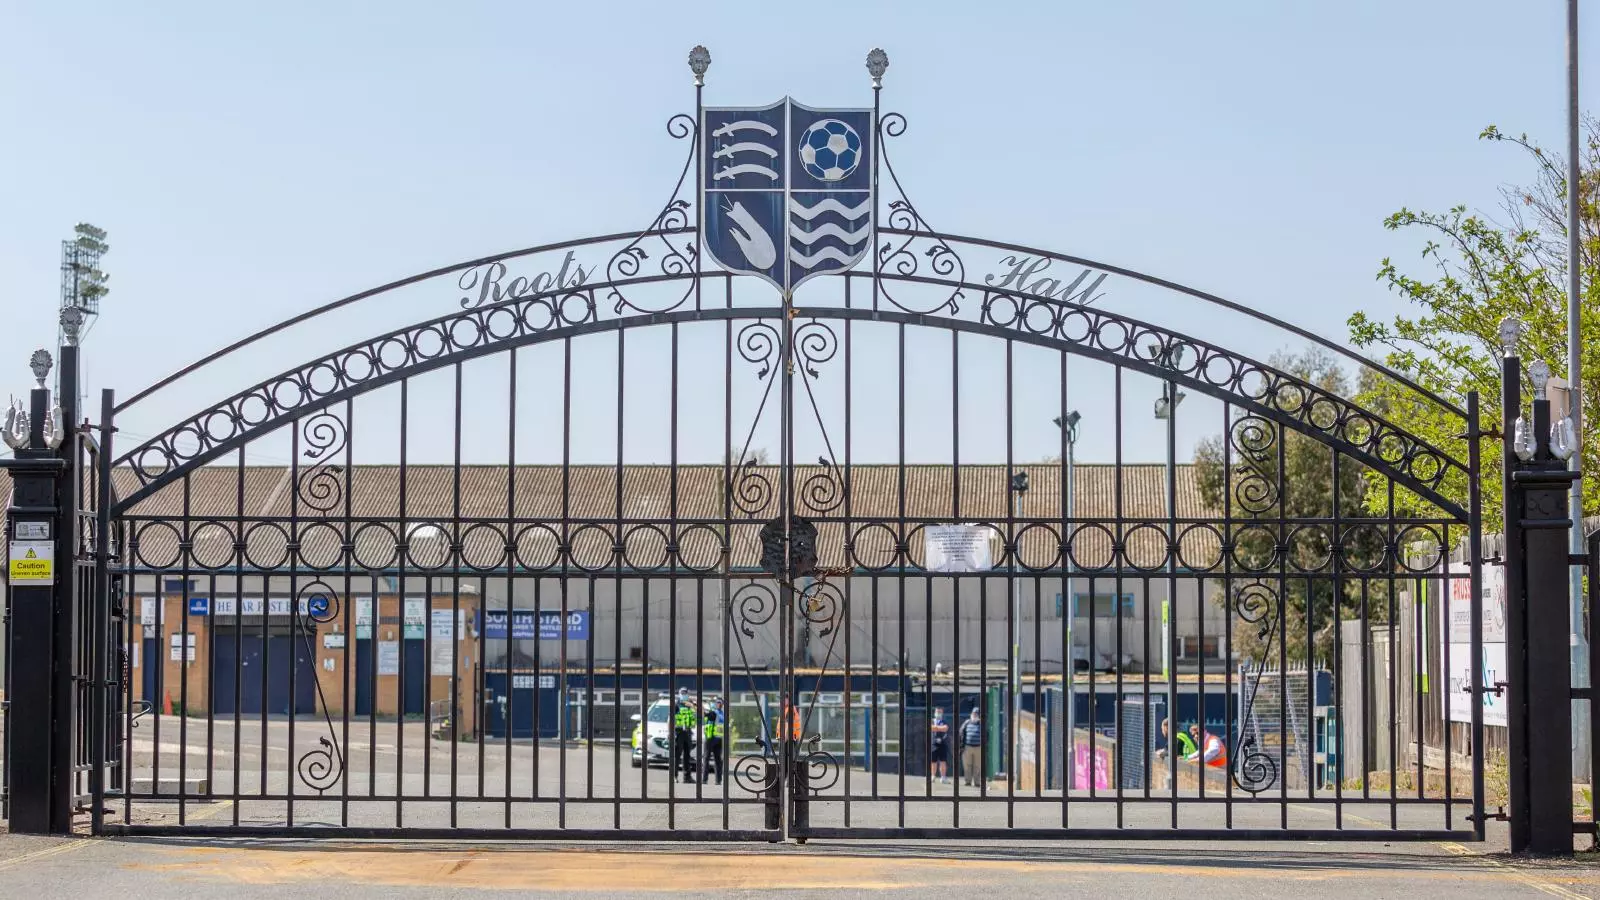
<point>449,580</point>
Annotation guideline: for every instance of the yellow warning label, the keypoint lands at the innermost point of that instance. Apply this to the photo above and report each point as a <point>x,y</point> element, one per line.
<point>32,562</point>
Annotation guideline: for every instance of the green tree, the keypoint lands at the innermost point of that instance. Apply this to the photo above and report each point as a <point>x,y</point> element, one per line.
<point>1484,269</point>
<point>1281,489</point>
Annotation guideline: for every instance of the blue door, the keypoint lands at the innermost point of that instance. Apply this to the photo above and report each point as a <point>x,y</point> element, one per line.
<point>283,652</point>
<point>151,672</point>
<point>501,700</point>
<point>363,678</point>
<point>550,712</point>
<point>415,671</point>
<point>239,666</point>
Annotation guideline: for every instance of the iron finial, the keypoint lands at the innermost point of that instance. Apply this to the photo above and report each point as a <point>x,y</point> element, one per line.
<point>877,64</point>
<point>40,363</point>
<point>1539,374</point>
<point>1511,329</point>
<point>699,62</point>
<point>71,322</point>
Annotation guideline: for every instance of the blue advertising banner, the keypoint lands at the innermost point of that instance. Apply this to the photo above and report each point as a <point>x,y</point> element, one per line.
<point>523,627</point>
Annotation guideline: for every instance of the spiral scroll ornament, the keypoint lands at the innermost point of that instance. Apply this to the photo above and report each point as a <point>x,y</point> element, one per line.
<point>324,436</point>
<point>321,767</point>
<point>753,605</point>
<point>1253,770</point>
<point>755,773</point>
<point>822,770</point>
<point>1256,603</point>
<point>1255,486</point>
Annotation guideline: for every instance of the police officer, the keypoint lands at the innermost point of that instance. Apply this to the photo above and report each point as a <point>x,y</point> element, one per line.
<point>711,747</point>
<point>683,722</point>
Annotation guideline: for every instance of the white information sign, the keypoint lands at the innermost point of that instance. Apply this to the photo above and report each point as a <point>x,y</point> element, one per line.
<point>364,619</point>
<point>416,618</point>
<point>388,657</point>
<point>182,647</point>
<point>443,642</point>
<point>957,548</point>
<point>1458,616</point>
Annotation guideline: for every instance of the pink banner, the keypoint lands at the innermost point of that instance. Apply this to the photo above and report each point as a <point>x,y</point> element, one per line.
<point>1081,766</point>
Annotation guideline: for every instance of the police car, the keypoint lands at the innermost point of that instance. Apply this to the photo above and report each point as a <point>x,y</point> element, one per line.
<point>655,732</point>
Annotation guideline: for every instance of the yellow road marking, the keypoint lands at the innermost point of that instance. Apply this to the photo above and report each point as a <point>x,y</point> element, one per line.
<point>1455,849</point>
<point>613,872</point>
<point>1533,881</point>
<point>15,861</point>
<point>212,813</point>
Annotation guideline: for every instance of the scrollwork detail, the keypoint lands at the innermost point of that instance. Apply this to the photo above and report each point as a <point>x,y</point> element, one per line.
<point>904,254</point>
<point>321,487</point>
<point>321,767</point>
<point>676,217</point>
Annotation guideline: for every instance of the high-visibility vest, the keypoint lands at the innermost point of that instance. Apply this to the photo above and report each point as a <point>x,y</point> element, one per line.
<point>792,733</point>
<point>684,718</point>
<point>1186,746</point>
<point>713,726</point>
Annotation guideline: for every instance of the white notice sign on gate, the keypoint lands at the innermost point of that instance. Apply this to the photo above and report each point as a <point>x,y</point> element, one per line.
<point>957,548</point>
<point>1458,637</point>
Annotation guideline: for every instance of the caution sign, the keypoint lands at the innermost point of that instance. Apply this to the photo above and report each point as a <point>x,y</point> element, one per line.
<point>32,563</point>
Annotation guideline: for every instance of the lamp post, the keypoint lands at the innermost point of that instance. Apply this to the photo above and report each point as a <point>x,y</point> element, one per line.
<point>1069,428</point>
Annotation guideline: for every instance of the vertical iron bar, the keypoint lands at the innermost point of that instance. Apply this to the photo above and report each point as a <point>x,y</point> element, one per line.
<point>454,683</point>
<point>401,553</point>
<point>345,671</point>
<point>1475,572</point>
<point>1013,710</point>
<point>512,563</point>
<point>904,555</point>
<point>184,561</point>
<point>101,620</point>
<point>1337,559</point>
<point>1119,557</point>
<point>1069,673</point>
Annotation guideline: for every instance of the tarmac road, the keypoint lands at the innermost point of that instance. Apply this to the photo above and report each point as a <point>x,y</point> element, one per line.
<point>34,868</point>
<point>41,869</point>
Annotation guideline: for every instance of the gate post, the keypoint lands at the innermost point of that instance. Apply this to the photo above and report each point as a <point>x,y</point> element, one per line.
<point>39,553</point>
<point>773,808</point>
<point>800,794</point>
<point>1537,557</point>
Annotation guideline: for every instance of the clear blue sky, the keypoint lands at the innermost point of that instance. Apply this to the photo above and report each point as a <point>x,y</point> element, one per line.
<point>250,162</point>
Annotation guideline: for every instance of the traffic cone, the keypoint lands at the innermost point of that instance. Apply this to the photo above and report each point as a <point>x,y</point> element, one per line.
<point>166,704</point>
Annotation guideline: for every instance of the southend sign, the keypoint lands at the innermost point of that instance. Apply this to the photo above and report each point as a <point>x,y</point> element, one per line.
<point>523,627</point>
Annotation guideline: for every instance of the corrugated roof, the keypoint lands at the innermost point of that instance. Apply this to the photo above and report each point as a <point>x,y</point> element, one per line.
<point>538,497</point>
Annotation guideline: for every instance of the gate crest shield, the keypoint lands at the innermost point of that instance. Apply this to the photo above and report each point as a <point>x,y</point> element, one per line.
<point>788,189</point>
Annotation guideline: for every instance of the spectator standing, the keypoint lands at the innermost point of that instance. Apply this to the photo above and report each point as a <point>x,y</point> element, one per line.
<point>972,750</point>
<point>939,752</point>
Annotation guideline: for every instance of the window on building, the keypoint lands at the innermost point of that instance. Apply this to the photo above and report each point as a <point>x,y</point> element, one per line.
<point>1105,605</point>
<point>1192,647</point>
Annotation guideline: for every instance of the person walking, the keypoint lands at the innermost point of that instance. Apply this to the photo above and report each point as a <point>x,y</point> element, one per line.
<point>972,750</point>
<point>683,724</point>
<point>711,747</point>
<point>939,751</point>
